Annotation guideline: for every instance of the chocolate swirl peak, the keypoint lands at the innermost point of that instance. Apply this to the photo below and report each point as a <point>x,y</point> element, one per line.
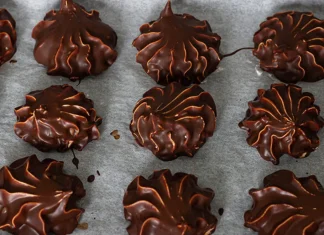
<point>174,121</point>
<point>74,43</point>
<point>168,204</point>
<point>287,205</point>
<point>36,198</point>
<point>57,118</point>
<point>177,48</point>
<point>291,46</point>
<point>8,36</point>
<point>283,120</point>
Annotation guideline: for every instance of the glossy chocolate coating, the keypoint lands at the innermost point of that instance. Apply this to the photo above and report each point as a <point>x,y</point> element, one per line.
<point>174,121</point>
<point>283,120</point>
<point>177,48</point>
<point>8,36</point>
<point>36,198</point>
<point>74,43</point>
<point>287,205</point>
<point>57,118</point>
<point>291,46</point>
<point>168,204</point>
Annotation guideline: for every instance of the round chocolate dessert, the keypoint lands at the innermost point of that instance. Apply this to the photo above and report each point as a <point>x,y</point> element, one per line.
<point>291,46</point>
<point>168,204</point>
<point>74,43</point>
<point>287,205</point>
<point>8,36</point>
<point>38,198</point>
<point>283,120</point>
<point>177,48</point>
<point>57,118</point>
<point>174,121</point>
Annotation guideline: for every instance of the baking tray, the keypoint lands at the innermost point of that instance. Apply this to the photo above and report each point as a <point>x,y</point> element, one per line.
<point>225,163</point>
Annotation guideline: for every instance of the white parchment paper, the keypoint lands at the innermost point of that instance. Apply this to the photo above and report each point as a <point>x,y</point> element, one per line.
<point>226,163</point>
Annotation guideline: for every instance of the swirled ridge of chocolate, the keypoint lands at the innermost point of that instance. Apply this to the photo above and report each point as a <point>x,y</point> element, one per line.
<point>283,120</point>
<point>168,204</point>
<point>36,198</point>
<point>74,43</point>
<point>177,48</point>
<point>291,46</point>
<point>287,205</point>
<point>57,118</point>
<point>174,121</point>
<point>8,36</point>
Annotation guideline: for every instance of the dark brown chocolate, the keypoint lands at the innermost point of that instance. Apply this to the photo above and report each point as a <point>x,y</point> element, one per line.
<point>38,198</point>
<point>177,48</point>
<point>57,118</point>
<point>287,205</point>
<point>8,36</point>
<point>168,204</point>
<point>174,121</point>
<point>291,46</point>
<point>74,43</point>
<point>283,120</point>
<point>91,178</point>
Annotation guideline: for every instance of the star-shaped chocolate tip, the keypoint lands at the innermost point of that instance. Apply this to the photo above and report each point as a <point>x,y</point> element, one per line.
<point>66,4</point>
<point>167,11</point>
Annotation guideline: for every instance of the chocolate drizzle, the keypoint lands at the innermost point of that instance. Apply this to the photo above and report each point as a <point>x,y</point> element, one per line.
<point>287,205</point>
<point>75,160</point>
<point>74,43</point>
<point>8,36</point>
<point>57,118</point>
<point>291,46</point>
<point>174,121</point>
<point>283,120</point>
<point>37,198</point>
<point>168,204</point>
<point>177,48</point>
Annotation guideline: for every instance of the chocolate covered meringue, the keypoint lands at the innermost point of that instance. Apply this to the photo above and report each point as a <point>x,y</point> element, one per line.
<point>74,43</point>
<point>283,120</point>
<point>168,204</point>
<point>37,198</point>
<point>174,121</point>
<point>57,118</point>
<point>291,46</point>
<point>177,48</point>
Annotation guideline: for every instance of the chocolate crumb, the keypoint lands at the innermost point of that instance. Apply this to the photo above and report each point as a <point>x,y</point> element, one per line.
<point>13,61</point>
<point>221,211</point>
<point>115,134</point>
<point>83,226</point>
<point>98,173</point>
<point>91,178</point>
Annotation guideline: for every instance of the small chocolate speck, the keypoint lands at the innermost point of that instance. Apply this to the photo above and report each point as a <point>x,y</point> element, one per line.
<point>13,61</point>
<point>115,134</point>
<point>98,173</point>
<point>83,226</point>
<point>221,211</point>
<point>91,178</point>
